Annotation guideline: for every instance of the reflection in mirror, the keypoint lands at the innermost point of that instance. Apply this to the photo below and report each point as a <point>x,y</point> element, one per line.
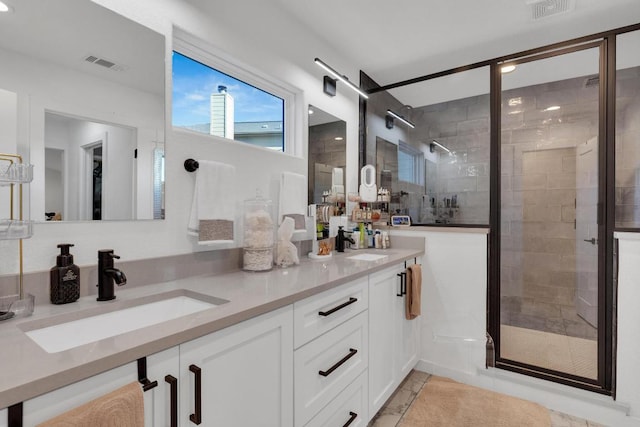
<point>89,87</point>
<point>434,184</point>
<point>327,157</point>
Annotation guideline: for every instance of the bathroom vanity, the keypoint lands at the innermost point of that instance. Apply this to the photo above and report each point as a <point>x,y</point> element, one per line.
<point>324,331</point>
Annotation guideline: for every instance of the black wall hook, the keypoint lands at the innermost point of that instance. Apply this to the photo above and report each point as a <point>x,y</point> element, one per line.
<point>191,165</point>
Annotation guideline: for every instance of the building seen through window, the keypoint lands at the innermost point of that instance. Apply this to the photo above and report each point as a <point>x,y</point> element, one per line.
<point>209,101</point>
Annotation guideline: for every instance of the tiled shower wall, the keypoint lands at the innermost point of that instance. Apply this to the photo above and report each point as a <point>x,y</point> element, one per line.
<point>628,148</point>
<point>538,191</point>
<point>463,127</point>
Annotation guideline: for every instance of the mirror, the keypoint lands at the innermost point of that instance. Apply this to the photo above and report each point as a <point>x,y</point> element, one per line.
<point>89,105</point>
<point>327,157</point>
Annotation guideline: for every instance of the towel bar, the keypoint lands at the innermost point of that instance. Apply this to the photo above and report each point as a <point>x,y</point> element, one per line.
<point>191,165</point>
<point>142,375</point>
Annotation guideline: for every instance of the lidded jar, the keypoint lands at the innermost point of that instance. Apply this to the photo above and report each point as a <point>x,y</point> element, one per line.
<point>259,234</point>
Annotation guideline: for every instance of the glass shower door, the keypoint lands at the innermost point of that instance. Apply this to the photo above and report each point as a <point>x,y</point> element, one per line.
<point>549,198</point>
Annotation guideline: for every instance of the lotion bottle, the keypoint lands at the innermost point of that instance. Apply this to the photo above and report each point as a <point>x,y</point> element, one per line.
<point>65,277</point>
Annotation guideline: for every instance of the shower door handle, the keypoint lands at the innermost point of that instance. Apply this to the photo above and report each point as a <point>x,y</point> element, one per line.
<point>592,240</point>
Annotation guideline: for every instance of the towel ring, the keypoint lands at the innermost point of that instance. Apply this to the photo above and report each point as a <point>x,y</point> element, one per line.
<point>191,165</point>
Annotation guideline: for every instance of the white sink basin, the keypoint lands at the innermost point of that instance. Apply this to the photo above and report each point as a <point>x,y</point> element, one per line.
<point>74,333</point>
<point>367,257</point>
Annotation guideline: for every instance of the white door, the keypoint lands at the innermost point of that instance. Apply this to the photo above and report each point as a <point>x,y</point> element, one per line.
<point>587,231</point>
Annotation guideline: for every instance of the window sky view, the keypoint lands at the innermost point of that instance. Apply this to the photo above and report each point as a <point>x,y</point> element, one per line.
<point>194,82</point>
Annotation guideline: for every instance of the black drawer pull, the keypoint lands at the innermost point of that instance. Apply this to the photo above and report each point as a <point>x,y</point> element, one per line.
<point>340,307</point>
<point>352,418</point>
<point>173,382</point>
<point>352,352</point>
<point>196,417</point>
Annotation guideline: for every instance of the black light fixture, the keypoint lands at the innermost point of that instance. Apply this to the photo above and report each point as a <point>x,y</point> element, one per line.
<point>435,144</point>
<point>329,84</point>
<point>391,115</point>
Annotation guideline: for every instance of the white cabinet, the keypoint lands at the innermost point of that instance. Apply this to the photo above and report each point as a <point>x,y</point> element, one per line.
<point>328,364</point>
<point>393,340</point>
<point>348,408</point>
<point>3,418</point>
<point>318,314</point>
<point>156,400</point>
<point>241,375</point>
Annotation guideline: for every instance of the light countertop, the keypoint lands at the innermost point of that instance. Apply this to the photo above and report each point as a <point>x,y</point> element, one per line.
<point>28,371</point>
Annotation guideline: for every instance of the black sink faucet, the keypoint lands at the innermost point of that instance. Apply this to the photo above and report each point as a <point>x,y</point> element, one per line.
<point>107,274</point>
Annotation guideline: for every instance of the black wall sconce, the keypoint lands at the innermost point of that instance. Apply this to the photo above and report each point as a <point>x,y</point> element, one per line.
<point>389,119</point>
<point>435,144</point>
<point>329,84</point>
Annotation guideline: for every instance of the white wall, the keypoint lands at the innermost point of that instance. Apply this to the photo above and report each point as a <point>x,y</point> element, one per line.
<point>286,50</point>
<point>454,323</point>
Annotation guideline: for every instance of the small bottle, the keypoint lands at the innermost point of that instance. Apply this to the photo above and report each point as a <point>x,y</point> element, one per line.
<point>65,277</point>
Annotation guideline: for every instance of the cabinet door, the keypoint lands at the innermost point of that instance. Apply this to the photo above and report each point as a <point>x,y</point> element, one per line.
<point>3,418</point>
<point>407,341</point>
<point>49,405</point>
<point>246,374</point>
<point>383,303</point>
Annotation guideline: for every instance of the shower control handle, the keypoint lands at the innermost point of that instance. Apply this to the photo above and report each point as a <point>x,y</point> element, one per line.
<point>592,240</point>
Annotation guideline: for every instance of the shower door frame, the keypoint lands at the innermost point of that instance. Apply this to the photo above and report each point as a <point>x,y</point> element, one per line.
<point>605,382</point>
<point>607,315</point>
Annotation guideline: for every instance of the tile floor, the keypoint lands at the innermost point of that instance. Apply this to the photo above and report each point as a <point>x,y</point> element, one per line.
<point>576,356</point>
<point>395,408</point>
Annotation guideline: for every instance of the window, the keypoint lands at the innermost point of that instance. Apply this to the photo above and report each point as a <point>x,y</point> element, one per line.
<point>216,95</point>
<point>410,164</point>
<point>209,101</point>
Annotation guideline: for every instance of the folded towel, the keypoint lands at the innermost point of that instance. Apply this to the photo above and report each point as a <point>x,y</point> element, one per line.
<point>213,206</point>
<point>123,407</point>
<point>293,198</point>
<point>413,291</point>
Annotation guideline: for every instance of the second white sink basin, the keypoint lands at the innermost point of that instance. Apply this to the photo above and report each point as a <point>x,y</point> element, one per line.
<point>367,257</point>
<point>74,333</point>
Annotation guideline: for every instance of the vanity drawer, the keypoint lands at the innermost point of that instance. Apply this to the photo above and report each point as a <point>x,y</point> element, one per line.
<point>316,315</point>
<point>327,365</point>
<point>349,405</point>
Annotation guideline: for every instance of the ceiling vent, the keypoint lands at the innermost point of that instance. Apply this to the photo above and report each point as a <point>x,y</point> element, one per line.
<point>104,63</point>
<point>544,8</point>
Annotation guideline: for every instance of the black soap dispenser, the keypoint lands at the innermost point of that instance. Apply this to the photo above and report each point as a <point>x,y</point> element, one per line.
<point>65,277</point>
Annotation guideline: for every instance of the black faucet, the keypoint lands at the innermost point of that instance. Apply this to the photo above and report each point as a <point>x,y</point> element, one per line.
<point>107,274</point>
<point>341,238</point>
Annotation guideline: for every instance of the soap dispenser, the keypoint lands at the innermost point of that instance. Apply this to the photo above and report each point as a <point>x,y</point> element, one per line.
<point>65,277</point>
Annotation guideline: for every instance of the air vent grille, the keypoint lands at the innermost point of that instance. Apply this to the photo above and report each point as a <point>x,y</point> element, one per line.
<point>543,8</point>
<point>104,63</point>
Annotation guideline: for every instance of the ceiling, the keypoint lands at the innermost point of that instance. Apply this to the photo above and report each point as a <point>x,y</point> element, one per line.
<point>65,32</point>
<point>394,41</point>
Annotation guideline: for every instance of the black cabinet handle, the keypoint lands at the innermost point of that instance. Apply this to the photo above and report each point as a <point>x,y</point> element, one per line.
<point>340,307</point>
<point>173,382</point>
<point>401,276</point>
<point>404,283</point>
<point>147,384</point>
<point>196,417</point>
<point>352,418</point>
<point>352,352</point>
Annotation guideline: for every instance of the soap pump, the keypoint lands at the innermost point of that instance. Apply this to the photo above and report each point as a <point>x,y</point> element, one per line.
<point>65,277</point>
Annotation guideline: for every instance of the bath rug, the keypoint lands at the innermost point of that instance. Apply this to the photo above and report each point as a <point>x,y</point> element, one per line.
<point>445,403</point>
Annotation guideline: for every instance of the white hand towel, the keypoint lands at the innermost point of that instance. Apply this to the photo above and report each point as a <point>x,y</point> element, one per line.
<point>213,207</point>
<point>293,198</point>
